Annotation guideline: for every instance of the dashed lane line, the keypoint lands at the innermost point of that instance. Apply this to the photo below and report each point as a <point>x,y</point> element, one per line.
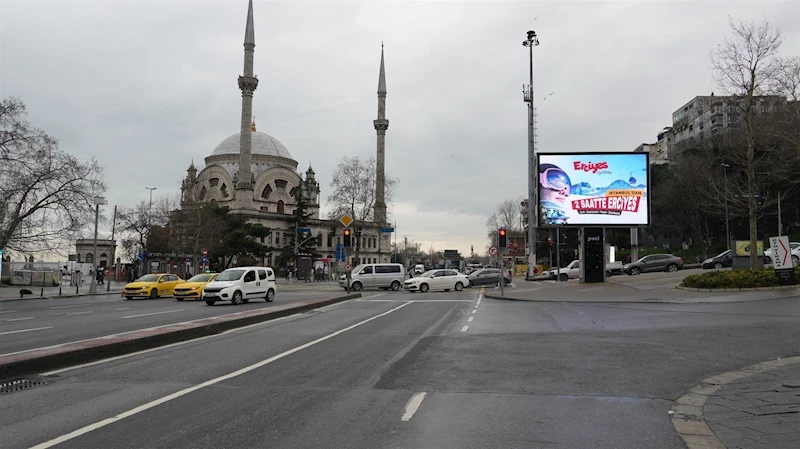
<point>21,319</point>
<point>470,319</point>
<point>412,406</point>
<point>153,313</point>
<point>464,329</point>
<point>26,330</point>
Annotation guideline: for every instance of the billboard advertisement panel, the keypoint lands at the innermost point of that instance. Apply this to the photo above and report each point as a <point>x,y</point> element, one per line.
<point>594,189</point>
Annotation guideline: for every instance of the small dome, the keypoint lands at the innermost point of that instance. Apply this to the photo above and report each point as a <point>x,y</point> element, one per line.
<point>262,144</point>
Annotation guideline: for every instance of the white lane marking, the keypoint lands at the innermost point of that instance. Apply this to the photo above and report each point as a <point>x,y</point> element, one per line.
<point>157,402</point>
<point>81,313</point>
<point>474,310</point>
<point>26,330</point>
<point>153,313</point>
<point>470,319</point>
<point>67,307</point>
<point>97,362</point>
<point>464,329</point>
<point>122,308</point>
<point>415,300</point>
<point>8,311</point>
<point>413,405</point>
<point>20,319</point>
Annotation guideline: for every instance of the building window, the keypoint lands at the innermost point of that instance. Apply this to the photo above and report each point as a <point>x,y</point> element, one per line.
<point>224,190</point>
<point>338,240</point>
<point>267,192</point>
<point>330,240</point>
<point>203,193</point>
<point>281,207</point>
<point>89,258</point>
<point>277,238</point>
<point>281,184</point>
<point>262,240</point>
<point>213,182</point>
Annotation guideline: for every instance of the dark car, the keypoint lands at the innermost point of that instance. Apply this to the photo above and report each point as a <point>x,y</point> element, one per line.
<point>653,262</point>
<point>721,260</point>
<point>487,276</point>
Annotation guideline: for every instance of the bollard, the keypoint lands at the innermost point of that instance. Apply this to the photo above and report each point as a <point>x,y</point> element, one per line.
<point>76,289</point>
<point>41,293</point>
<point>59,290</point>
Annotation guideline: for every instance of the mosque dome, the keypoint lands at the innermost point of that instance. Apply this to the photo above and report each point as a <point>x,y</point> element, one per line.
<point>262,144</point>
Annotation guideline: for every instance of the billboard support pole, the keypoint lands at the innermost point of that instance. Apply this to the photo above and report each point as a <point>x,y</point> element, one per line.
<point>634,244</point>
<point>558,254</point>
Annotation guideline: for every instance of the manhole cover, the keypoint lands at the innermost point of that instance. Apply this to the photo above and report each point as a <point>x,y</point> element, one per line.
<point>19,385</point>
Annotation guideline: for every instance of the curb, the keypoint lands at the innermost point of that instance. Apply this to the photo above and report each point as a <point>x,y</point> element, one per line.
<point>66,295</point>
<point>48,359</point>
<point>687,413</point>
<point>747,289</point>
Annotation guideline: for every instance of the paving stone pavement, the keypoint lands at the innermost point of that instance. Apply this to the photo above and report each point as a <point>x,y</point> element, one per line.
<point>761,411</point>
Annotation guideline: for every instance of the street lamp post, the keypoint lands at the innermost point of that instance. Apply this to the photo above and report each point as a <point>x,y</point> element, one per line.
<point>149,215</point>
<point>727,222</point>
<point>98,201</point>
<point>533,169</point>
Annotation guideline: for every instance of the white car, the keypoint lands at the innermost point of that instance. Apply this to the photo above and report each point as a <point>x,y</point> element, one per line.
<point>437,280</point>
<point>795,253</point>
<point>240,285</point>
<point>571,271</point>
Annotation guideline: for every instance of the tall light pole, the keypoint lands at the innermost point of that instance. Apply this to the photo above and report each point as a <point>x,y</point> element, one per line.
<point>727,222</point>
<point>149,212</point>
<point>98,201</point>
<point>533,169</point>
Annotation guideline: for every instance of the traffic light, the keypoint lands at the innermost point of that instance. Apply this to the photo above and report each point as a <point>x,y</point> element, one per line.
<point>347,240</point>
<point>502,241</point>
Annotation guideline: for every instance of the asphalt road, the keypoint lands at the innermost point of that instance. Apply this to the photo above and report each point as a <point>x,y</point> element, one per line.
<point>446,370</point>
<point>31,324</point>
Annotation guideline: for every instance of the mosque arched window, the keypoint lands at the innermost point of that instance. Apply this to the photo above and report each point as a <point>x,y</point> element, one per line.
<point>267,192</point>
<point>203,193</point>
<point>280,207</point>
<point>213,182</point>
<point>224,190</point>
<point>281,183</point>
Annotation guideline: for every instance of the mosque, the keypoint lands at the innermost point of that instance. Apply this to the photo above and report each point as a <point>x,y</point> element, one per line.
<point>253,174</point>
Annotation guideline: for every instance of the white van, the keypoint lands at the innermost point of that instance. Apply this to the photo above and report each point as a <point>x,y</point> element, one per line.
<point>240,285</point>
<point>419,269</point>
<point>375,275</point>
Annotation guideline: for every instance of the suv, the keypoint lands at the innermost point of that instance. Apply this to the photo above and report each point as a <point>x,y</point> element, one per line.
<point>653,262</point>
<point>375,275</point>
<point>240,285</point>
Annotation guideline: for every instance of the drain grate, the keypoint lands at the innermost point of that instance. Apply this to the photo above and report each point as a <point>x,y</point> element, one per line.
<point>20,384</point>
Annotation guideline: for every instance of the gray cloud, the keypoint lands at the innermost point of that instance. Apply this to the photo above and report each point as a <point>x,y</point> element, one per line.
<point>148,86</point>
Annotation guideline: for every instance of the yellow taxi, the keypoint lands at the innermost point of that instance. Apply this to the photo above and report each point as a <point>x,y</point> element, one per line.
<point>193,287</point>
<point>151,286</point>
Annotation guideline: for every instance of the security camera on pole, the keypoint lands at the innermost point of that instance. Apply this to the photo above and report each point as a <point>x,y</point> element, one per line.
<point>533,169</point>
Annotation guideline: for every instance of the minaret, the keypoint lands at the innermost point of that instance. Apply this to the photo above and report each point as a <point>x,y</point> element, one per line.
<point>381,125</point>
<point>248,84</point>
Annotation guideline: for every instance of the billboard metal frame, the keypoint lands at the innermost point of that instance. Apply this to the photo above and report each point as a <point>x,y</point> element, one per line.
<point>595,225</point>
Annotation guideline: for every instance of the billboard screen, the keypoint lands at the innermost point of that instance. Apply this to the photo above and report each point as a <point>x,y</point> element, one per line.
<point>594,189</point>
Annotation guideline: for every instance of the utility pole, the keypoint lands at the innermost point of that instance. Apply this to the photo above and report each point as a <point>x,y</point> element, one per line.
<point>533,169</point>
<point>150,212</point>
<point>780,224</point>
<point>98,201</point>
<point>113,250</point>
<point>727,222</point>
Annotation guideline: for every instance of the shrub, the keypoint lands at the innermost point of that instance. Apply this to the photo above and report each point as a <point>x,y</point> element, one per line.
<point>732,279</point>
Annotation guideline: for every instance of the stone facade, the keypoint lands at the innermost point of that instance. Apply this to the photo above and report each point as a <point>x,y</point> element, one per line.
<point>105,251</point>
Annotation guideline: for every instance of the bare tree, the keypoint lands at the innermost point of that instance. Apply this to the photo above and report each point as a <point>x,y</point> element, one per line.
<point>46,194</point>
<point>354,193</point>
<point>746,65</point>
<point>508,214</point>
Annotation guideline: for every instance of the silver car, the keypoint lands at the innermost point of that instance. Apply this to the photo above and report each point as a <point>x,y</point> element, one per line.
<point>383,276</point>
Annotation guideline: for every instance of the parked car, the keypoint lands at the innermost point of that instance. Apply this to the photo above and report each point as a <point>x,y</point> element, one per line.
<point>437,280</point>
<point>487,276</point>
<point>571,271</point>
<point>653,262</point>
<point>241,284</point>
<point>375,275</point>
<point>152,286</point>
<point>795,248</point>
<point>721,260</point>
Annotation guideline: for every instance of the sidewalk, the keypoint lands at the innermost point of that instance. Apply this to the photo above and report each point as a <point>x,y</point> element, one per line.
<point>11,292</point>
<point>624,290</point>
<point>758,412</point>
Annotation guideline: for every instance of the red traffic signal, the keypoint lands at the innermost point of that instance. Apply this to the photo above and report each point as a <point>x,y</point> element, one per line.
<point>502,241</point>
<point>347,234</point>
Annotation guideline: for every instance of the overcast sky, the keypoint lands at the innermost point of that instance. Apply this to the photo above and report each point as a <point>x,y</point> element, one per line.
<point>148,86</point>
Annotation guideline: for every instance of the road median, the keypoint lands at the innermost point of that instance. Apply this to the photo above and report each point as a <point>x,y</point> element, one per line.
<point>46,359</point>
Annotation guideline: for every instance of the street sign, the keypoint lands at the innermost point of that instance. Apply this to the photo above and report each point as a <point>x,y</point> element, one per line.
<point>303,230</point>
<point>347,267</point>
<point>492,250</point>
<point>141,257</point>
<point>387,230</point>
<point>346,220</point>
<point>234,259</point>
<point>782,260</point>
<point>340,252</point>
<point>205,252</point>
<point>205,259</point>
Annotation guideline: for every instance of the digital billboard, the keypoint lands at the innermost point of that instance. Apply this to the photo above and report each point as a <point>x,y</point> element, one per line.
<point>594,189</point>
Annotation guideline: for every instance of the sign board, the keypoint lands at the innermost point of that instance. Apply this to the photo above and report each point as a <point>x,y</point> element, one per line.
<point>594,189</point>
<point>782,260</point>
<point>387,230</point>
<point>347,267</point>
<point>234,259</point>
<point>451,253</point>
<point>340,252</point>
<point>516,246</point>
<point>346,220</point>
<point>304,230</point>
<point>205,252</point>
<point>743,248</point>
<point>141,257</point>
<point>492,250</point>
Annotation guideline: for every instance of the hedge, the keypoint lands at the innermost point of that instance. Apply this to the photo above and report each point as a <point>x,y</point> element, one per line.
<point>733,279</point>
